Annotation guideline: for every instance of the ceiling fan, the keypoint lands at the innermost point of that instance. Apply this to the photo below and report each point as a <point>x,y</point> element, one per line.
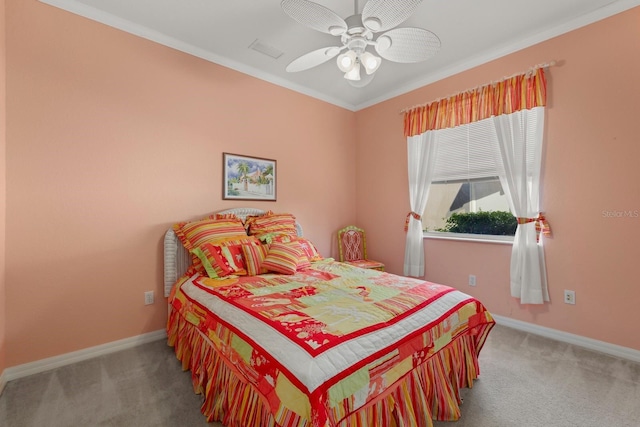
<point>358,32</point>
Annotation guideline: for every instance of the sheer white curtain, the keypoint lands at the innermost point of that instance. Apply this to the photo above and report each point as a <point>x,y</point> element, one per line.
<point>520,137</point>
<point>421,153</point>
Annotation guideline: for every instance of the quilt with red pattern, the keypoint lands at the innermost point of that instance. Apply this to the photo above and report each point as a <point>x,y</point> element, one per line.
<point>331,334</point>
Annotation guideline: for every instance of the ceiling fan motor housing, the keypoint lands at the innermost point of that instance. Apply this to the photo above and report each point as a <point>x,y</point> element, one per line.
<point>357,44</point>
<point>357,37</point>
<point>355,25</point>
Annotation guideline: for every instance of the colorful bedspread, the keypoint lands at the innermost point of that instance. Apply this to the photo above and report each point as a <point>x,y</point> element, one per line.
<point>328,340</point>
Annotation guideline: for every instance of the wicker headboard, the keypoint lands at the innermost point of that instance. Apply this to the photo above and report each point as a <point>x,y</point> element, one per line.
<point>177,259</point>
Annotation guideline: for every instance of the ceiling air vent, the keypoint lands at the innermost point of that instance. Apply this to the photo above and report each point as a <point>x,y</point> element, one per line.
<point>265,49</point>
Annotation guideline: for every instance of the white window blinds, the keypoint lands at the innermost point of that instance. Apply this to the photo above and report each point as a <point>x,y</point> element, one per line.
<point>471,152</point>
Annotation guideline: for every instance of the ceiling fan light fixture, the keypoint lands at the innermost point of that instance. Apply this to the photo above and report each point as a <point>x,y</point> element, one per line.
<point>347,61</point>
<point>354,72</point>
<point>371,62</point>
<point>365,79</point>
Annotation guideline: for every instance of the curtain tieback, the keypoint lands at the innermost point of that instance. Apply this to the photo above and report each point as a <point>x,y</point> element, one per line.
<point>542,225</point>
<point>409,215</point>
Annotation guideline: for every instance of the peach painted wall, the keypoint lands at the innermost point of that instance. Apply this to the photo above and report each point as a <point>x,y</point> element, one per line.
<point>111,139</point>
<point>591,167</point>
<point>3,188</point>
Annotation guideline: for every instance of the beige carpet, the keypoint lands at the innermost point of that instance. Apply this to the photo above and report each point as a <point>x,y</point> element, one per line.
<point>525,381</point>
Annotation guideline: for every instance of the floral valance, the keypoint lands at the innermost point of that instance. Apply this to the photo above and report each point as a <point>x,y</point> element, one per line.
<point>524,91</point>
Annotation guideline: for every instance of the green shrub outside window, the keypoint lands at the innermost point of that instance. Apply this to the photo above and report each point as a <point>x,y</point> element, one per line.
<point>497,223</point>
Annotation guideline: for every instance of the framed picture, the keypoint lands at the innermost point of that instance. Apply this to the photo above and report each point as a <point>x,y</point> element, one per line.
<point>248,178</point>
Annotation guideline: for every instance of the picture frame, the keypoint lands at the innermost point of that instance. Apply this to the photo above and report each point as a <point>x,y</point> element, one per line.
<point>248,178</point>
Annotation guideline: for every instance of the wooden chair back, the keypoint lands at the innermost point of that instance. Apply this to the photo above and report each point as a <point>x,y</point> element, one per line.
<point>352,244</point>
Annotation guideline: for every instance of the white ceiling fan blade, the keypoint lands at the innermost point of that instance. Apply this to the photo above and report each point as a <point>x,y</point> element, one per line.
<point>382,15</point>
<point>407,45</point>
<point>315,16</point>
<point>313,59</point>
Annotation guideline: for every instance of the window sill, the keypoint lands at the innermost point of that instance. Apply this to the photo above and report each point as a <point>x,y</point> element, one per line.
<point>482,238</point>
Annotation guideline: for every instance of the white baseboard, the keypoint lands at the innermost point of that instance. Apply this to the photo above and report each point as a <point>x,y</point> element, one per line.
<point>43,365</point>
<point>580,341</point>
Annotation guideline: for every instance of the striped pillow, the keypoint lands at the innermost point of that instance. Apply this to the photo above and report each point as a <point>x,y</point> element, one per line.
<point>303,262</point>
<point>297,242</point>
<point>225,216</point>
<point>283,258</point>
<point>194,234</point>
<point>254,256</point>
<point>273,223</point>
<point>306,246</point>
<point>249,219</point>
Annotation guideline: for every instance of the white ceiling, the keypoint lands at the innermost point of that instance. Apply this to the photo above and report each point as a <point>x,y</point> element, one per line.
<point>472,32</point>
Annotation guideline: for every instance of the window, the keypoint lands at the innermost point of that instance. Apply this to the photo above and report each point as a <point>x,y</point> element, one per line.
<point>446,198</point>
<point>466,174</point>
<point>449,141</point>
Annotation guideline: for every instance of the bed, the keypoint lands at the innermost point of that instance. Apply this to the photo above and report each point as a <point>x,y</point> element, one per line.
<point>288,338</point>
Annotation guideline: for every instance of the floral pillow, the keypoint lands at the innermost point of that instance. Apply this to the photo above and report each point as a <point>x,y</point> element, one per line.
<point>308,249</point>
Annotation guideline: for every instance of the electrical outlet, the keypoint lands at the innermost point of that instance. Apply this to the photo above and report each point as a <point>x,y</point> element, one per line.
<point>569,297</point>
<point>148,298</point>
<point>472,280</point>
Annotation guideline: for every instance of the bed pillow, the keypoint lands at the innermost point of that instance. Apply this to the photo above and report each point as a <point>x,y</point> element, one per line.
<point>224,257</point>
<point>194,234</point>
<point>283,258</point>
<point>308,248</point>
<point>249,219</point>
<point>212,260</point>
<point>254,256</point>
<point>225,216</point>
<point>272,223</point>
<point>220,261</point>
<point>303,261</point>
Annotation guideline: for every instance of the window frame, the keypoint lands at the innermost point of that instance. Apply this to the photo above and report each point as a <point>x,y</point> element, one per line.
<point>468,237</point>
<point>485,129</point>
